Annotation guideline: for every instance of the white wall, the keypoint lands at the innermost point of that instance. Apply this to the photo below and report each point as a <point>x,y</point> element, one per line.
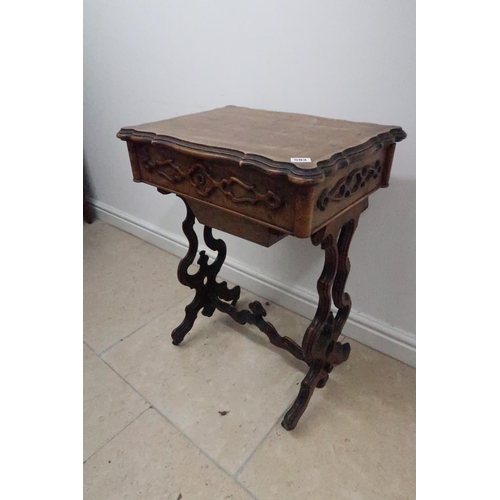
<point>347,59</point>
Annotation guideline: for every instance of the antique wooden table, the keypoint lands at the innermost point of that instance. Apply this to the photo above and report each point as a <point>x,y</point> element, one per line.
<point>262,176</point>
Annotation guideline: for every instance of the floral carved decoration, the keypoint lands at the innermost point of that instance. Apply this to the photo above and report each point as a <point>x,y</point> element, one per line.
<point>348,185</point>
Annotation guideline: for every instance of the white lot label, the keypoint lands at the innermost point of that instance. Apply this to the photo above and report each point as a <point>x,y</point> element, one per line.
<point>300,160</point>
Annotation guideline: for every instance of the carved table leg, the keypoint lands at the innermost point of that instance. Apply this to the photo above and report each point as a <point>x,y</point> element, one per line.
<point>211,295</point>
<point>320,345</point>
<point>203,281</point>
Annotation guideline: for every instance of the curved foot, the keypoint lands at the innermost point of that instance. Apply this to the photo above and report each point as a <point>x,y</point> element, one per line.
<point>192,310</point>
<point>288,423</point>
<point>307,386</point>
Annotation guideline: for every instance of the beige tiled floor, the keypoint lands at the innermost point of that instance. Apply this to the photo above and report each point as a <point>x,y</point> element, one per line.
<point>152,427</point>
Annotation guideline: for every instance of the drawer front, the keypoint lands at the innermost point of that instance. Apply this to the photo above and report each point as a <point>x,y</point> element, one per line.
<point>245,190</point>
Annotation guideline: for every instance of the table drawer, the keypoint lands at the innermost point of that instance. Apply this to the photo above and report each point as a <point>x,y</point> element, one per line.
<point>219,182</point>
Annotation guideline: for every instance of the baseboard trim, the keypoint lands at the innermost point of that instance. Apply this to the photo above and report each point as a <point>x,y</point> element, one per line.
<point>361,327</point>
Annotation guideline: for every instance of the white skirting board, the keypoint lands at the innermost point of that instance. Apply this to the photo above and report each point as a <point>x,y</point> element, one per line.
<point>361,327</point>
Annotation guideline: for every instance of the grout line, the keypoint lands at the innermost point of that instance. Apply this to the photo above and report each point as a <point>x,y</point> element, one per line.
<point>85,343</point>
<point>128,335</point>
<point>128,383</point>
<point>203,452</point>
<point>141,327</point>
<point>118,433</point>
<point>240,470</point>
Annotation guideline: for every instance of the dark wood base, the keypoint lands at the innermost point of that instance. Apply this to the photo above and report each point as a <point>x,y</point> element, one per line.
<point>320,348</point>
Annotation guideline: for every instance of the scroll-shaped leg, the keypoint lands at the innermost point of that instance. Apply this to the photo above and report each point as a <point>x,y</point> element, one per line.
<point>208,290</point>
<point>320,345</point>
<point>219,290</point>
<point>187,279</point>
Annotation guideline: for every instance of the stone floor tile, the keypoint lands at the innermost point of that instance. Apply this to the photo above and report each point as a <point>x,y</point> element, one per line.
<point>109,403</point>
<point>151,459</point>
